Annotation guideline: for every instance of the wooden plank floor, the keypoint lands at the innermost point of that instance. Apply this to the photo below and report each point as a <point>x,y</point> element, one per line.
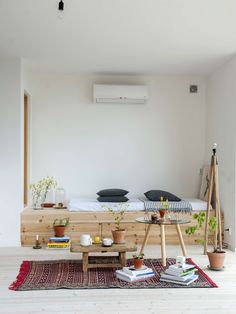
<point>153,301</point>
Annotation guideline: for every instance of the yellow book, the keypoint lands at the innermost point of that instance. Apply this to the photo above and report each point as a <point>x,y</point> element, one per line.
<point>58,245</point>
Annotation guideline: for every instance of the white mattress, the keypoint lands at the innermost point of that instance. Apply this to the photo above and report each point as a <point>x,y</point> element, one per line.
<point>197,204</point>
<point>92,205</point>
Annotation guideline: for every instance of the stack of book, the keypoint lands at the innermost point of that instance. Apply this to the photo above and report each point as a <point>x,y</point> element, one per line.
<point>59,243</point>
<point>130,274</point>
<point>181,275</point>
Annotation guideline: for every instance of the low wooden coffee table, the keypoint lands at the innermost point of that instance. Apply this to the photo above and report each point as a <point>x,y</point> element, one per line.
<point>103,261</point>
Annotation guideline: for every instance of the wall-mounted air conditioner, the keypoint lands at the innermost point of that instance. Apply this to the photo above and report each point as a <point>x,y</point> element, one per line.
<point>120,94</point>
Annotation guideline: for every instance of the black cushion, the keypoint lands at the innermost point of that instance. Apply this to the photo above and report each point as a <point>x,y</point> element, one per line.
<point>112,199</point>
<point>112,192</point>
<point>155,195</point>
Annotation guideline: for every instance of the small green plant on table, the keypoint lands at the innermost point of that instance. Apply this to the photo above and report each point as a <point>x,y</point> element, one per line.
<point>61,222</point>
<point>138,256</point>
<point>59,226</point>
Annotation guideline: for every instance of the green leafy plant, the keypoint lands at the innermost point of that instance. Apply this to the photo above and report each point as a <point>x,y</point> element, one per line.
<point>138,256</point>
<point>164,204</point>
<point>61,222</point>
<point>118,217</point>
<point>117,212</point>
<point>40,189</point>
<point>200,223</point>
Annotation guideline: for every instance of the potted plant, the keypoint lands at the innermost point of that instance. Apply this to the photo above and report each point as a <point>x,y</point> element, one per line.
<point>59,226</point>
<point>119,233</point>
<point>164,207</point>
<point>40,190</point>
<point>138,260</point>
<point>217,256</point>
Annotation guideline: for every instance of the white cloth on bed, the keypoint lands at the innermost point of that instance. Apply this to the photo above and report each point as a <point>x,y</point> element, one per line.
<point>197,204</point>
<point>182,206</point>
<point>92,205</point>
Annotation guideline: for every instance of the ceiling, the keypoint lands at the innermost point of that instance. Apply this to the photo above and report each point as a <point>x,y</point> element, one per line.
<point>120,36</point>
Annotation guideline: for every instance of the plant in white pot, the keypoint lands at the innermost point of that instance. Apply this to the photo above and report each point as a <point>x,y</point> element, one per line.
<point>217,256</point>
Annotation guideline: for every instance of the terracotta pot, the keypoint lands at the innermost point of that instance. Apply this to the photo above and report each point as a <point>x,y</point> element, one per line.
<point>162,213</point>
<point>138,263</point>
<point>59,231</point>
<point>118,236</point>
<point>216,259</point>
<point>47,205</point>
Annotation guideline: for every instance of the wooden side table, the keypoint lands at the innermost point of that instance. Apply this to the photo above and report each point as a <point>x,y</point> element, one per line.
<point>162,225</point>
<point>103,261</point>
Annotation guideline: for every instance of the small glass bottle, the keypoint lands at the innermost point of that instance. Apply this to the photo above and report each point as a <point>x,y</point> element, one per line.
<point>60,197</point>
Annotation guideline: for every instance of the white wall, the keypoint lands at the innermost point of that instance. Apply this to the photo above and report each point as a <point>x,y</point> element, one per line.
<point>10,155</point>
<point>221,113</point>
<point>87,147</point>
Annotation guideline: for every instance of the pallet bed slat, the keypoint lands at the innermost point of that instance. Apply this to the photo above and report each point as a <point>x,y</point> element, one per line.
<point>95,223</point>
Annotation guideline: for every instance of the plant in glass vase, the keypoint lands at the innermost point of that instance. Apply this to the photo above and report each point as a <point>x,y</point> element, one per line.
<point>40,190</point>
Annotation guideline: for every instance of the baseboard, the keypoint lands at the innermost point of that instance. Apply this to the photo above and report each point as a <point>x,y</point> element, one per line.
<point>10,244</point>
<point>231,248</point>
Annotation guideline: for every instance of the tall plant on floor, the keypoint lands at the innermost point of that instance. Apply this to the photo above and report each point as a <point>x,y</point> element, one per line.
<point>217,256</point>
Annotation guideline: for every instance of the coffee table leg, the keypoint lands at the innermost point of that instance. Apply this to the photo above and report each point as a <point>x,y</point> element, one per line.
<point>145,239</point>
<point>85,262</point>
<point>122,258</point>
<point>163,245</point>
<point>181,240</point>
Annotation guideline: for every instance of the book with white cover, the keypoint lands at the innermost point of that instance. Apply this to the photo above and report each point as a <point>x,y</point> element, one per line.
<point>177,278</point>
<point>129,278</point>
<point>137,272</point>
<point>183,283</point>
<point>181,269</point>
<point>174,273</point>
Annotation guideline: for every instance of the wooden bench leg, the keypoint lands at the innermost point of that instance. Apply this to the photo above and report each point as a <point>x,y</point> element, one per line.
<point>85,262</point>
<point>163,245</point>
<point>181,240</point>
<point>145,239</point>
<point>122,258</point>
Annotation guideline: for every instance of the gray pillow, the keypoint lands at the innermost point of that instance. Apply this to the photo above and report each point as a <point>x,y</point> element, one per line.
<point>112,199</point>
<point>155,195</point>
<point>112,192</point>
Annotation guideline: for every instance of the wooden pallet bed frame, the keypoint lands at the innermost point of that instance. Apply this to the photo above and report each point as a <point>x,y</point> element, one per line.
<point>96,223</point>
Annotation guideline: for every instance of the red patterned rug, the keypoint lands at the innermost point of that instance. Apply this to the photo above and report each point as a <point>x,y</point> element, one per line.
<point>68,274</point>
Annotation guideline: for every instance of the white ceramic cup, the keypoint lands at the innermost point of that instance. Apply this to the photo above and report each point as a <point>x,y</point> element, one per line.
<point>85,240</point>
<point>107,241</point>
<point>180,260</point>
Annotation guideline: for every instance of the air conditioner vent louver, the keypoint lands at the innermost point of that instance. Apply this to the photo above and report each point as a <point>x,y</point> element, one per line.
<point>120,94</point>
